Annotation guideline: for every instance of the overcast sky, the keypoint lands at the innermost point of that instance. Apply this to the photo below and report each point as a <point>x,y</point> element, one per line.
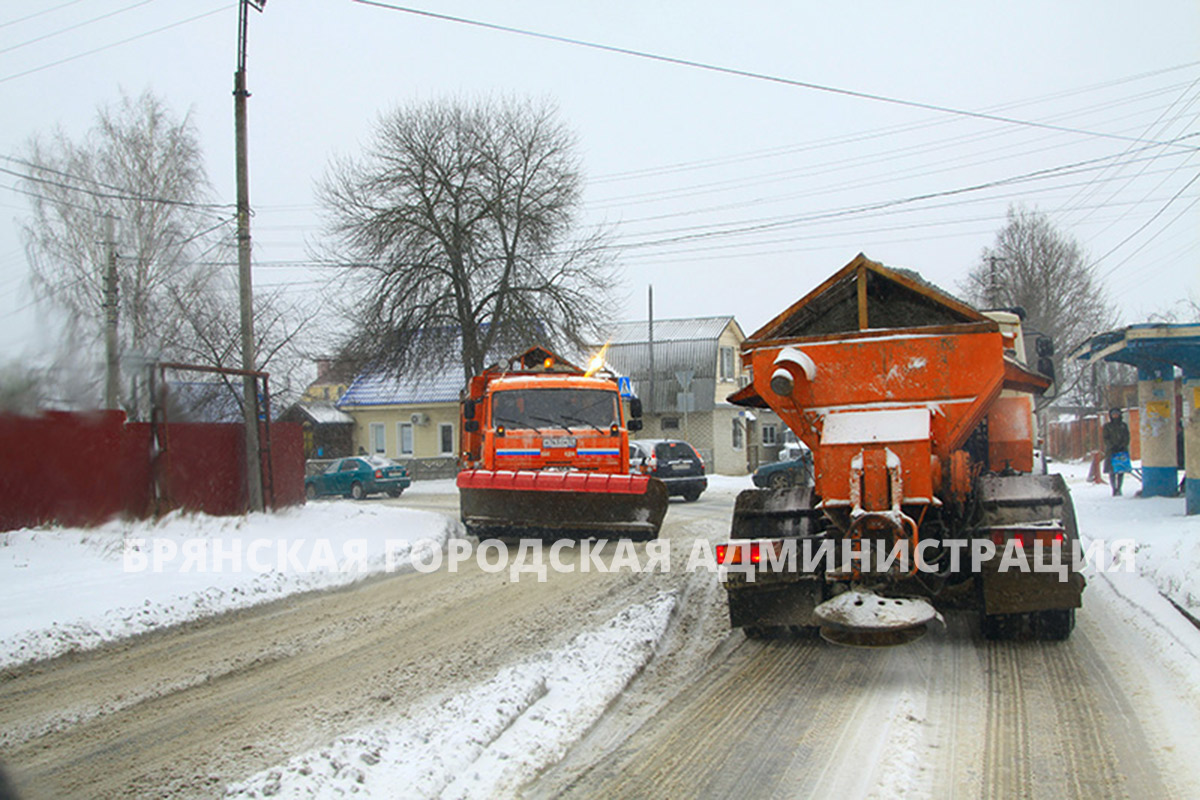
<point>732,195</point>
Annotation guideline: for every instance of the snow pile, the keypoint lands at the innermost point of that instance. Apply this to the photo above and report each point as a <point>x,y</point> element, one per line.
<point>489,740</point>
<point>67,589</point>
<point>1168,541</point>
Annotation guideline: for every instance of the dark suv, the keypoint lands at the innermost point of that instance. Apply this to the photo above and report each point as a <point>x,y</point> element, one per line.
<point>675,463</point>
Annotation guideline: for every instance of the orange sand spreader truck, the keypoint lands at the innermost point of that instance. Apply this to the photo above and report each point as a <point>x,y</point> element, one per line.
<point>545,454</point>
<point>917,410</point>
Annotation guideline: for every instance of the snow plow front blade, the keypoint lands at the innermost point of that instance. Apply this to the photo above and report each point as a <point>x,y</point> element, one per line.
<point>560,505</point>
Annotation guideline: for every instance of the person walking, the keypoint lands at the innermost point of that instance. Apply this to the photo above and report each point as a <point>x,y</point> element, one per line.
<point>1116,440</point>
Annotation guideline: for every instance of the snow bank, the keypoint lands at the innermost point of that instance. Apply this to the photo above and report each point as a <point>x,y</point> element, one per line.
<point>65,589</point>
<point>1168,541</point>
<point>489,740</point>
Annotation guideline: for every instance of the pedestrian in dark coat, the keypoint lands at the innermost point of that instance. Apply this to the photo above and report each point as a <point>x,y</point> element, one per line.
<point>1116,440</point>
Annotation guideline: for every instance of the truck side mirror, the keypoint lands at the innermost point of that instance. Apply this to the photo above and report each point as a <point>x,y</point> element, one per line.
<point>471,426</point>
<point>634,425</point>
<point>1045,366</point>
<point>635,408</point>
<point>1045,347</point>
<point>469,410</point>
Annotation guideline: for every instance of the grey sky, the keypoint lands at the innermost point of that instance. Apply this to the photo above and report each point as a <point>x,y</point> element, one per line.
<point>733,195</point>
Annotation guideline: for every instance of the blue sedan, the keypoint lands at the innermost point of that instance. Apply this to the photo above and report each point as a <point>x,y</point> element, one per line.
<point>358,477</point>
<point>794,468</point>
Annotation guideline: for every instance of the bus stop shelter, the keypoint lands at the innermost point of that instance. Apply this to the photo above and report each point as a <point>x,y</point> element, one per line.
<point>1156,350</point>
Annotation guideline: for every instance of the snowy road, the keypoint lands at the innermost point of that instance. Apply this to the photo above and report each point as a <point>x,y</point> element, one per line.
<point>949,716</point>
<point>190,711</point>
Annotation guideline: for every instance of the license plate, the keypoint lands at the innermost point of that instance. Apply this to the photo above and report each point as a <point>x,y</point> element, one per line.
<point>680,466</point>
<point>558,442</point>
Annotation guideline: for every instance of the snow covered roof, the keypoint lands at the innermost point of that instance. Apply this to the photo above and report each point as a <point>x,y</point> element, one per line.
<point>669,330</point>
<point>325,414</point>
<point>377,389</point>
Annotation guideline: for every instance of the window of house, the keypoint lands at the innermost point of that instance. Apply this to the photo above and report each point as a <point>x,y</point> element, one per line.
<point>670,423</point>
<point>446,438</point>
<point>378,438</point>
<point>770,434</point>
<point>404,434</point>
<point>727,366</point>
<point>737,434</point>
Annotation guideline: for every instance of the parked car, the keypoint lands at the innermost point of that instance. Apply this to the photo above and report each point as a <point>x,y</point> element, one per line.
<point>675,463</point>
<point>794,468</point>
<point>358,477</point>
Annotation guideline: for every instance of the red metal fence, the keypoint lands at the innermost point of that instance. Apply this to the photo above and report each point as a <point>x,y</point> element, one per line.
<point>84,468</point>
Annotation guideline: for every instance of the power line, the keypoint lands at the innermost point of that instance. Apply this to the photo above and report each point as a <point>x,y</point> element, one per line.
<point>113,195</point>
<point>741,73</point>
<point>76,26</point>
<point>1146,224</point>
<point>892,130</point>
<point>39,13</point>
<point>102,48</point>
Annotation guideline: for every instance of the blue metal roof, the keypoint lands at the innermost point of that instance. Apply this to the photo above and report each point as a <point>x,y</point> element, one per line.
<point>377,389</point>
<point>1147,346</point>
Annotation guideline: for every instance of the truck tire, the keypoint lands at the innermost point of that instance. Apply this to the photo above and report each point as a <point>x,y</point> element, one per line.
<point>1054,625</point>
<point>691,496</point>
<point>999,627</point>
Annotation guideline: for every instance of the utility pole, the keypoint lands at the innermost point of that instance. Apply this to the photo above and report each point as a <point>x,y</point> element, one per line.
<point>650,303</point>
<point>254,490</point>
<point>112,377</point>
<point>994,281</point>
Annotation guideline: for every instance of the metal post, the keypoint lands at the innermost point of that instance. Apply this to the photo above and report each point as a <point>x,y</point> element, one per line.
<point>651,335</point>
<point>254,495</point>
<point>112,357</point>
<point>1191,441</point>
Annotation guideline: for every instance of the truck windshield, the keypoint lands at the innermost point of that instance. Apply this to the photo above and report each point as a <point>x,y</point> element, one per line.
<point>555,408</point>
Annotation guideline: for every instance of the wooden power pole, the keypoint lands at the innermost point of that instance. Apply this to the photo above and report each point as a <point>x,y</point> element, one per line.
<point>254,489</point>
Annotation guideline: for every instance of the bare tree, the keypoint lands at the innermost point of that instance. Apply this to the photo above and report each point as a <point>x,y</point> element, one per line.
<point>209,317</point>
<point>1034,266</point>
<point>457,226</point>
<point>139,170</point>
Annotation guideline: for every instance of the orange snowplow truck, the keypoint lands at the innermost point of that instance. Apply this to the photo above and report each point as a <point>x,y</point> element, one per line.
<point>545,453</point>
<point>917,410</point>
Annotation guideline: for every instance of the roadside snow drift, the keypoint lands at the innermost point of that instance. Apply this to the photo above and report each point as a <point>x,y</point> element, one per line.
<point>66,589</point>
<point>489,740</point>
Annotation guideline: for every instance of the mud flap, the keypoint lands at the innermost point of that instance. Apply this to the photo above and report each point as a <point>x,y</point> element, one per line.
<point>773,513</point>
<point>775,604</point>
<point>561,505</point>
<point>1008,500</point>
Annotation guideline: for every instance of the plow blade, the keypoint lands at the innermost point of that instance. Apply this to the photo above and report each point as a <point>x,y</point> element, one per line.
<point>556,505</point>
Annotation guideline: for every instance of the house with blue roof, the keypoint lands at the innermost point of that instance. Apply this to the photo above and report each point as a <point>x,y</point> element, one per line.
<point>412,419</point>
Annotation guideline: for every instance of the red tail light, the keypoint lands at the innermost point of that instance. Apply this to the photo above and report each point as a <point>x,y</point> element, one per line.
<point>1027,538</point>
<point>740,553</point>
<point>378,473</point>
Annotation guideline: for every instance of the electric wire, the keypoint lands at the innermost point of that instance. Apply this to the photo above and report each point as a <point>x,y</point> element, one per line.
<point>76,26</point>
<point>743,73</point>
<point>39,13</point>
<point>111,45</point>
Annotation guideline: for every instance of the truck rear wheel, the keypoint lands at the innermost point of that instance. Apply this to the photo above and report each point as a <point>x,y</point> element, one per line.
<point>1054,625</point>
<point>999,627</point>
